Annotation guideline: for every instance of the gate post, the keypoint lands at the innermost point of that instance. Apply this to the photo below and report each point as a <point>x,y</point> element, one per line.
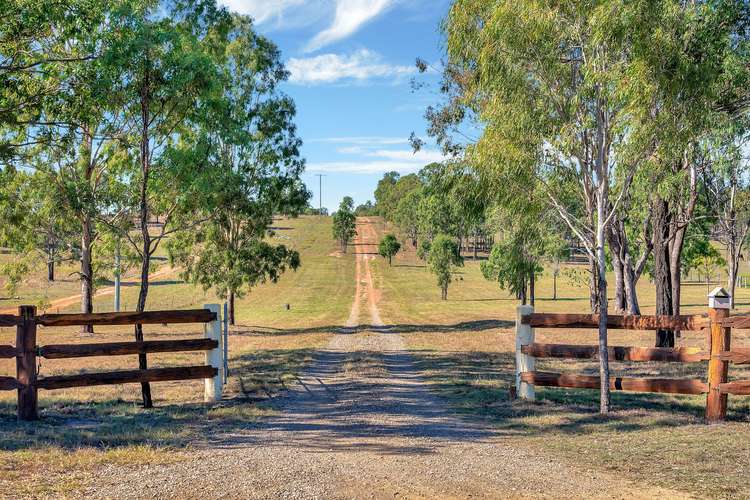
<point>213,386</point>
<point>524,362</point>
<point>26,363</point>
<point>719,340</point>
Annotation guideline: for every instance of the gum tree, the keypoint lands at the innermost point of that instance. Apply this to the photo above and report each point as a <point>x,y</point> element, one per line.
<point>344,223</point>
<point>388,247</point>
<point>229,252</point>
<point>442,258</point>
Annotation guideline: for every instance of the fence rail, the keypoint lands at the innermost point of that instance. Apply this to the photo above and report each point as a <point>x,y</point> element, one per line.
<point>615,322</point>
<point>27,381</point>
<point>127,377</point>
<point>617,353</point>
<point>717,352</point>
<point>61,351</point>
<point>664,385</point>
<point>128,318</point>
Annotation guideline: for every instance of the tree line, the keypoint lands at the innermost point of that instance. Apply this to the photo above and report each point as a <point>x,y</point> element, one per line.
<point>620,125</point>
<point>127,126</point>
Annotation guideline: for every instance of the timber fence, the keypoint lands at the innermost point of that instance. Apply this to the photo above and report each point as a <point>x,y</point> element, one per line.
<point>717,325</point>
<point>26,351</point>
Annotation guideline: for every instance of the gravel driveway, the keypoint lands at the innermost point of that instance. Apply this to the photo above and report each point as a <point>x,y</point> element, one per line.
<point>361,423</point>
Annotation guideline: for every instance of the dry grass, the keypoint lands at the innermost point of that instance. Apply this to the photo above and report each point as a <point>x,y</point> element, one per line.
<point>465,348</point>
<point>83,428</point>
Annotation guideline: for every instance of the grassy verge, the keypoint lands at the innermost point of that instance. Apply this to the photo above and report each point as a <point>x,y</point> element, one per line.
<point>465,349</point>
<point>85,428</point>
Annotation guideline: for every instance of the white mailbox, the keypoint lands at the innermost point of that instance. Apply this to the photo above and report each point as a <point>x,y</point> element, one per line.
<point>718,298</point>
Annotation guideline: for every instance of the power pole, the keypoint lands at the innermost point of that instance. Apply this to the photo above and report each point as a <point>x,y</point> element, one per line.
<point>118,271</point>
<point>320,193</point>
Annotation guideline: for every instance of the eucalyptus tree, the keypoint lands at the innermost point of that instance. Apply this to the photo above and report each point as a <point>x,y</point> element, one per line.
<point>71,126</point>
<point>406,216</point>
<point>443,257</point>
<point>727,188</point>
<point>569,96</point>
<point>344,223</point>
<point>33,47</point>
<point>389,247</point>
<point>37,225</point>
<point>173,94</point>
<point>553,88</point>
<point>529,237</point>
<point>261,164</point>
<point>700,80</point>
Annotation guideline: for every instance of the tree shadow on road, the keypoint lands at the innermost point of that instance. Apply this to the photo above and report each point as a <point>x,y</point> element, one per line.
<point>294,398</point>
<point>463,326</point>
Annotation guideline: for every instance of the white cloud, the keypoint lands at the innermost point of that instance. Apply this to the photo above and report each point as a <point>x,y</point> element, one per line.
<point>422,156</point>
<point>263,11</point>
<point>362,140</point>
<point>349,17</point>
<point>360,66</point>
<point>364,167</point>
<point>387,160</point>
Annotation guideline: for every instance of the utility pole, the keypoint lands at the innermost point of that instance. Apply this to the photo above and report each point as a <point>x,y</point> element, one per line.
<point>118,271</point>
<point>320,193</point>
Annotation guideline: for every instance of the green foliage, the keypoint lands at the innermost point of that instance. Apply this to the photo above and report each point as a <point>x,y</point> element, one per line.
<point>406,216</point>
<point>14,272</point>
<point>344,223</point>
<point>423,251</point>
<point>704,258</point>
<point>388,247</point>
<point>391,190</point>
<point>365,209</point>
<point>443,257</point>
<point>511,268</point>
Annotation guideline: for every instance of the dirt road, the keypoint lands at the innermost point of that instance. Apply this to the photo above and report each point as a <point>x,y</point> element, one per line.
<point>362,424</point>
<point>76,298</point>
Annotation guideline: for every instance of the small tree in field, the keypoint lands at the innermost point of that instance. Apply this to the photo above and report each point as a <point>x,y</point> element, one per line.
<point>442,258</point>
<point>344,222</point>
<point>388,247</point>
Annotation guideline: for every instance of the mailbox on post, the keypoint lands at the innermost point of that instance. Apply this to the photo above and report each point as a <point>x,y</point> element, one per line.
<point>718,298</point>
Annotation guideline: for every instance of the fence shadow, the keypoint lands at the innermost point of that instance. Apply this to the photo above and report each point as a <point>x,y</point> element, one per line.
<point>463,326</point>
<point>445,396</point>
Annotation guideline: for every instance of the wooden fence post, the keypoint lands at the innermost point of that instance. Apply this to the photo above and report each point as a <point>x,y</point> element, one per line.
<point>26,363</point>
<point>213,386</point>
<point>718,341</point>
<point>524,362</point>
<point>225,340</point>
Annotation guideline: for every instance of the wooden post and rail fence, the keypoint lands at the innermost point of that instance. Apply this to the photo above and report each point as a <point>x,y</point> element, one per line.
<point>27,382</point>
<point>717,324</point>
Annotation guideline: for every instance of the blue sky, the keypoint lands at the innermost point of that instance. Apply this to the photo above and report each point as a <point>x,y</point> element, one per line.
<point>351,62</point>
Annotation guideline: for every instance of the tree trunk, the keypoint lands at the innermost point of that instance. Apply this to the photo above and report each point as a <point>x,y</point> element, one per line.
<point>593,286</point>
<point>87,238</point>
<point>626,275</point>
<point>87,272</point>
<point>662,270</point>
<point>620,304</point>
<point>631,275</point>
<point>476,243</point>
<point>230,308</point>
<point>144,216</point>
<point>554,285</point>
<point>604,399</point>
<point>631,298</point>
<point>531,288</point>
<point>51,270</point>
